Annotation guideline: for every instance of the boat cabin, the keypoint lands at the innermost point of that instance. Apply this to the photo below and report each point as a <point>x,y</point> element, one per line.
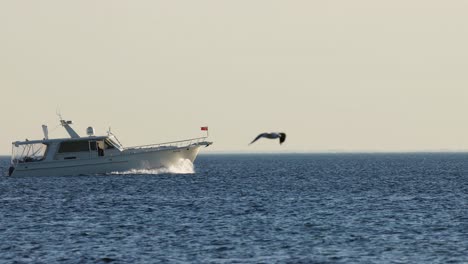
<point>64,149</point>
<point>72,148</point>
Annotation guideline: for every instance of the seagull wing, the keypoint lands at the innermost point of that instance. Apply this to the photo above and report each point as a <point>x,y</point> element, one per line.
<point>282,137</point>
<point>258,137</point>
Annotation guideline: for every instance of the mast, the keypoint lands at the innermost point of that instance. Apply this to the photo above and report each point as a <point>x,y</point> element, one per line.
<point>66,125</point>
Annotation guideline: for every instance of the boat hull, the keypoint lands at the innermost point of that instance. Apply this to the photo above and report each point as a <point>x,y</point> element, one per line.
<point>127,160</point>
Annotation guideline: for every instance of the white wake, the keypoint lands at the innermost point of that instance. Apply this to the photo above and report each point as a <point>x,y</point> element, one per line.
<point>183,166</point>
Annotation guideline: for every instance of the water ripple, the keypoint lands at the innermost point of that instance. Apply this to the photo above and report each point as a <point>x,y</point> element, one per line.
<point>371,208</point>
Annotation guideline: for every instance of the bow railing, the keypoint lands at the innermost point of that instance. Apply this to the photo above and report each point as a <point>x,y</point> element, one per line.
<point>172,144</point>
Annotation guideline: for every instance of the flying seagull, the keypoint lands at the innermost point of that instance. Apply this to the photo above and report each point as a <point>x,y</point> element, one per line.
<point>281,136</point>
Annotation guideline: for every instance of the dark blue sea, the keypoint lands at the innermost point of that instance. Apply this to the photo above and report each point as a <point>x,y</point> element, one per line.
<point>275,208</point>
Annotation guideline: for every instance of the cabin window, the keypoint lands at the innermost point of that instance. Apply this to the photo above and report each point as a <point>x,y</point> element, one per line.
<point>92,145</point>
<point>75,146</point>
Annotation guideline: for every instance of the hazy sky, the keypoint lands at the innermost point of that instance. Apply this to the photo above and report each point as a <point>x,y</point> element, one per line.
<point>334,75</point>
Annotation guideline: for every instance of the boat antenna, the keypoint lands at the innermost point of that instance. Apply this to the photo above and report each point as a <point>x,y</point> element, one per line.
<point>66,124</point>
<point>57,112</point>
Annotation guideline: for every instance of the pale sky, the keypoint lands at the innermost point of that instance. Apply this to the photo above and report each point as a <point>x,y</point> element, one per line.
<point>362,75</point>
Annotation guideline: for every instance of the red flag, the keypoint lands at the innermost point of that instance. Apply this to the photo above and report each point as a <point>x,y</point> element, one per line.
<point>205,128</point>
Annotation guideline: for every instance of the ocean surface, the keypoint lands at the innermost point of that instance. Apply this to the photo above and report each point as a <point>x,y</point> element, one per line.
<point>273,208</point>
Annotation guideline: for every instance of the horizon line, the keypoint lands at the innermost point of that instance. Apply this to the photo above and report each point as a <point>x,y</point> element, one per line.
<point>333,151</point>
<point>448,151</point>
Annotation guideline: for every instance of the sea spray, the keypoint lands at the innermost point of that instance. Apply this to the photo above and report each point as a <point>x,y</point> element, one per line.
<point>183,166</point>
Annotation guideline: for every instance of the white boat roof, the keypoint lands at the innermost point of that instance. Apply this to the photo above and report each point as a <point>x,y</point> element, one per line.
<point>46,141</point>
<point>73,136</point>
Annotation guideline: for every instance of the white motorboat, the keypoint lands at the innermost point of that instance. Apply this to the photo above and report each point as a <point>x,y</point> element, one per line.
<point>95,154</point>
